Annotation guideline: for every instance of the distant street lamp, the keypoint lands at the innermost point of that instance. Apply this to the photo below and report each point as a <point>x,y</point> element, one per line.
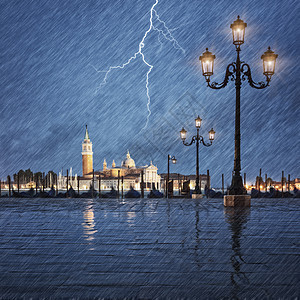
<point>174,160</point>
<point>198,139</point>
<point>238,71</point>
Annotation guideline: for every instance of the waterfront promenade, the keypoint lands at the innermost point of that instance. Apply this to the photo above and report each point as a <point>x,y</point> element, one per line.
<point>149,248</point>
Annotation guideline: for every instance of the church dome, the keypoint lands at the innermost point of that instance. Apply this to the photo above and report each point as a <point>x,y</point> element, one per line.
<point>128,162</point>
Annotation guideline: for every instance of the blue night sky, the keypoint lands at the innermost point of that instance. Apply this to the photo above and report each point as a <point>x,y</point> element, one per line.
<point>50,51</point>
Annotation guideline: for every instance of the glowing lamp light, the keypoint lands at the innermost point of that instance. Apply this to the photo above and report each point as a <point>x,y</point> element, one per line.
<point>238,31</point>
<point>207,62</point>
<point>198,122</point>
<point>174,160</point>
<point>183,134</point>
<point>211,134</point>
<point>269,59</point>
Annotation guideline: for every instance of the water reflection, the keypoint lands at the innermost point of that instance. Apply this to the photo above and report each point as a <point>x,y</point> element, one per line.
<point>168,213</point>
<point>89,224</point>
<point>237,218</point>
<point>197,230</point>
<point>131,218</point>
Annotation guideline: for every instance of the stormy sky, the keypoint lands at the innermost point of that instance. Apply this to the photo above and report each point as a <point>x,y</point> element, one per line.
<point>50,51</point>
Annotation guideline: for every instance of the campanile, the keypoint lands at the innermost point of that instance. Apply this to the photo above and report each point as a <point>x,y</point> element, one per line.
<point>87,154</point>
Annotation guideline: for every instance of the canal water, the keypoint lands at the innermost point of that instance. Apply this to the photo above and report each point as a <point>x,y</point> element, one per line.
<point>149,248</point>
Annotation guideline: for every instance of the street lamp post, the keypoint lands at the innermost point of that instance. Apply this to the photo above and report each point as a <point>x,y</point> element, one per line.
<point>238,71</point>
<point>198,139</point>
<point>174,160</point>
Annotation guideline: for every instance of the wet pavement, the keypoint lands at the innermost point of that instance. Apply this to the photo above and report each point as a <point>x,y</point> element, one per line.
<point>149,248</point>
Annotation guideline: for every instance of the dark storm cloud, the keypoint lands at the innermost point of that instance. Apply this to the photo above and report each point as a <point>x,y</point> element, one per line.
<point>48,85</point>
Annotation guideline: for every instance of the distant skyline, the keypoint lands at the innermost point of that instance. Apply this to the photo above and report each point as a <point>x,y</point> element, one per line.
<point>50,88</point>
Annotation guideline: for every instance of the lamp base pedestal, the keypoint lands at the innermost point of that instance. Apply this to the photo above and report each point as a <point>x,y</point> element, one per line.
<point>197,196</point>
<point>237,200</point>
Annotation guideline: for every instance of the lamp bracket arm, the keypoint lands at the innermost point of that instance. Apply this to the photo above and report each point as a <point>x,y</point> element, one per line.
<point>230,71</point>
<point>246,71</point>
<point>192,141</point>
<point>205,144</point>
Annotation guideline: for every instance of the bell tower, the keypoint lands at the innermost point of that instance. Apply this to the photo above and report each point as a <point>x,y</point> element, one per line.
<point>87,154</point>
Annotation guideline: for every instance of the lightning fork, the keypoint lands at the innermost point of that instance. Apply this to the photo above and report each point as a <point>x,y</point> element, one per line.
<point>168,36</point>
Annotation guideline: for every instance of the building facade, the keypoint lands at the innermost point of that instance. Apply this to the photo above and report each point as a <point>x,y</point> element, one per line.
<point>126,175</point>
<point>179,182</point>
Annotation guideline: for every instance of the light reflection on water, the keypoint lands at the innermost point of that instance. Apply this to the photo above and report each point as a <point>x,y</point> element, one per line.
<point>150,248</point>
<point>131,218</point>
<point>237,219</point>
<point>89,223</point>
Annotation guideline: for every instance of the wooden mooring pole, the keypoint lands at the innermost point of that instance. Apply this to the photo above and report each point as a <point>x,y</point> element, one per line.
<point>36,184</point>
<point>99,182</point>
<point>259,180</point>
<point>93,183</point>
<point>142,184</point>
<point>208,179</point>
<point>9,186</point>
<point>56,185</point>
<point>18,180</point>
<point>67,180</point>
<point>122,182</point>
<point>223,184</point>
<point>118,183</point>
<point>282,175</point>
<point>43,181</point>
<point>78,185</point>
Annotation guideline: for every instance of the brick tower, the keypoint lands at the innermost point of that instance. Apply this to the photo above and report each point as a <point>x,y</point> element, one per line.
<point>87,155</point>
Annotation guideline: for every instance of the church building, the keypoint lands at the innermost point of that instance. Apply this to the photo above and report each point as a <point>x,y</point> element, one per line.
<point>113,176</point>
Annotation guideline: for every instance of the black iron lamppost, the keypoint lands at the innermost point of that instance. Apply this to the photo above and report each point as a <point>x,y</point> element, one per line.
<point>198,139</point>
<point>174,160</point>
<point>238,71</point>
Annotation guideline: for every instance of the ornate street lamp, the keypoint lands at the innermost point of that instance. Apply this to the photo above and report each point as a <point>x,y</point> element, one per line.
<point>174,160</point>
<point>207,60</point>
<point>198,121</point>
<point>238,71</point>
<point>269,59</point>
<point>183,134</point>
<point>238,31</point>
<point>198,139</point>
<point>211,134</point>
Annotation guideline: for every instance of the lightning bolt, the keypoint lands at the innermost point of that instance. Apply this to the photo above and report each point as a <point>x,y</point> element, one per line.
<point>166,33</point>
<point>168,36</point>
